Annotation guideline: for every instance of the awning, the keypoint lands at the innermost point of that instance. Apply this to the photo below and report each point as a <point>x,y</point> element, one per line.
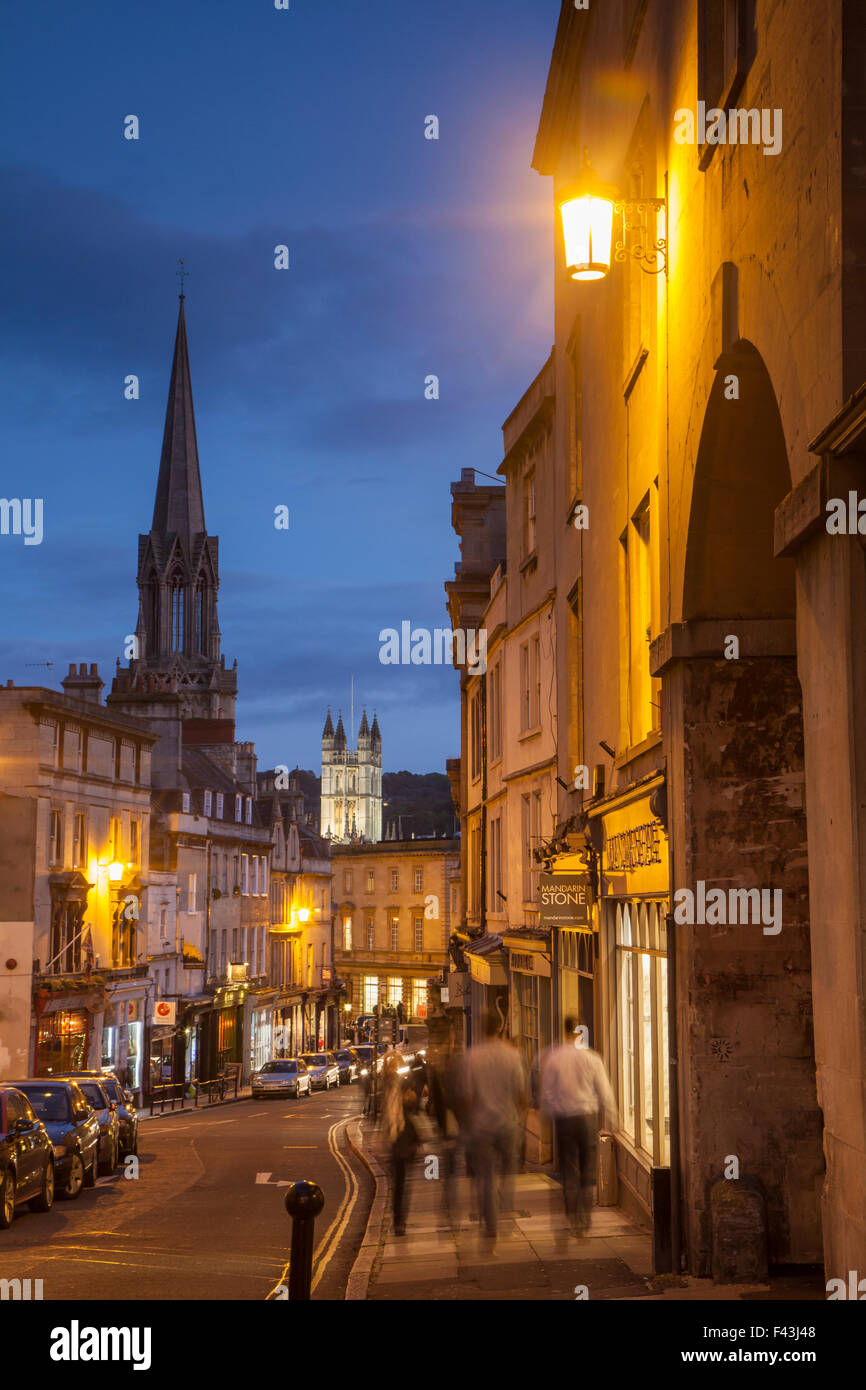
<point>488,970</point>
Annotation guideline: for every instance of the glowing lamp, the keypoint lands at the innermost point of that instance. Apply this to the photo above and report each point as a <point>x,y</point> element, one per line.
<point>586,209</point>
<point>304,914</point>
<point>115,872</point>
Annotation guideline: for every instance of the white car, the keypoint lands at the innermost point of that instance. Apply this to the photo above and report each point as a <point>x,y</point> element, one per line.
<point>323,1068</point>
<point>283,1076</point>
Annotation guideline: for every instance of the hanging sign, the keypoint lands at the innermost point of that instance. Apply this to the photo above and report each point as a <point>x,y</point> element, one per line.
<point>564,900</point>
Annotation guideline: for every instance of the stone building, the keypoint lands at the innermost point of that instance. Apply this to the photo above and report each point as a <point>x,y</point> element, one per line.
<point>393,908</point>
<point>508,765</point>
<point>207,830</point>
<point>709,405</point>
<point>74,880</point>
<point>351,793</point>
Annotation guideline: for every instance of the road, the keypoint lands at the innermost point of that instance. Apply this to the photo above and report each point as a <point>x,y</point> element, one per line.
<point>205,1217</point>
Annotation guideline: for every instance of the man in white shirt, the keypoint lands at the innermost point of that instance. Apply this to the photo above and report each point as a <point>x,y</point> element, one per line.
<point>574,1091</point>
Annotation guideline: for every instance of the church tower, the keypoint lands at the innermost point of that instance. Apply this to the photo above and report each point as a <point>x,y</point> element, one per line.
<point>351,794</point>
<point>176,671</point>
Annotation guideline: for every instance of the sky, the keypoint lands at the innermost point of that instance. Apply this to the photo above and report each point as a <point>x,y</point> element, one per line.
<point>407,257</point>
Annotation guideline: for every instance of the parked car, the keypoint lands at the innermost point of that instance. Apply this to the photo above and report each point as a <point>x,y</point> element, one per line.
<point>348,1064</point>
<point>126,1113</point>
<point>109,1124</point>
<point>324,1072</point>
<point>26,1157</point>
<point>72,1128</point>
<point>364,1053</point>
<point>283,1076</point>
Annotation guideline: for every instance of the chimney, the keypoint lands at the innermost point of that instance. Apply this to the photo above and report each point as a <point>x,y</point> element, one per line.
<point>82,686</point>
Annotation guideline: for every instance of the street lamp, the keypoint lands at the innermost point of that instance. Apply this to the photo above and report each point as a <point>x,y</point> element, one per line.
<point>304,914</point>
<point>587,209</point>
<point>115,872</point>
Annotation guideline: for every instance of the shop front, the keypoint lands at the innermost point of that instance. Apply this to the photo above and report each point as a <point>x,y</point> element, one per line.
<point>63,1039</point>
<point>529,965</point>
<point>122,1050</point>
<point>260,1030</point>
<point>634,881</point>
<point>488,987</point>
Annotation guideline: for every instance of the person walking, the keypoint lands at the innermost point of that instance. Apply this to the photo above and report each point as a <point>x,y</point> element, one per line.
<point>495,1094</point>
<point>575,1091</point>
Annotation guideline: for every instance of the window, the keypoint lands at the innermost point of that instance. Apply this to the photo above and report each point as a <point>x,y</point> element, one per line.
<point>418,1004</point>
<point>529,513</point>
<point>347,880</point>
<point>347,933</point>
<point>369,993</point>
<point>249,816</point>
<point>208,803</point>
<point>394,880</point>
<point>79,840</point>
<point>163,921</point>
<point>309,965</point>
<point>641,943</point>
<point>263,877</point>
<point>134,841</point>
<point>184,801</point>
<point>395,933</point>
<point>255,873</point>
<point>419,880</point>
<point>239,808</point>
<point>371,934</point>
<point>530,684</point>
<point>725,51</point>
<point>245,874</point>
<point>177,615</point>
<point>475,734</point>
<point>418,924</point>
<point>220,799</point>
<point>454,900</point>
<point>55,838</point>
<point>527,846</point>
<point>114,838</point>
<point>371,881</point>
<point>637,572</point>
<point>495,712</point>
<point>395,990</point>
<point>224,950</point>
<point>496,903</point>
<point>192,882</point>
<point>225,873</point>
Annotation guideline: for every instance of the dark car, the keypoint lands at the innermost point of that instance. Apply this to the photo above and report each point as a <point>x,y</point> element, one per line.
<point>350,1067</point>
<point>365,1053</point>
<point>109,1125</point>
<point>72,1128</point>
<point>126,1113</point>
<point>26,1157</point>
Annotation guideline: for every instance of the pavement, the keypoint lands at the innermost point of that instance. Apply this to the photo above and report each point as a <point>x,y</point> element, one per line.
<point>535,1258</point>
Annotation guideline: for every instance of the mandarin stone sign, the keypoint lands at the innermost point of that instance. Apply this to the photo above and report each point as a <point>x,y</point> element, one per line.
<point>564,899</point>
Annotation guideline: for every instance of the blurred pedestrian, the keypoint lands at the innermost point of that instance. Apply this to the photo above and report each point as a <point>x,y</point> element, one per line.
<point>495,1095</point>
<point>402,1132</point>
<point>445,1103</point>
<point>575,1091</point>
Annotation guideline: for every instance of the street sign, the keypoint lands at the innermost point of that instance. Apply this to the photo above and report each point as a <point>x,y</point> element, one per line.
<point>165,1011</point>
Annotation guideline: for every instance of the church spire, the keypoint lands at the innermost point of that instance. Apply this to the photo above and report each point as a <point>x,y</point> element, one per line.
<point>178,509</point>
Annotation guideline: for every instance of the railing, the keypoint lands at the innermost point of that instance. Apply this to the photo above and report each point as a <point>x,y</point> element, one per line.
<point>175,1094</point>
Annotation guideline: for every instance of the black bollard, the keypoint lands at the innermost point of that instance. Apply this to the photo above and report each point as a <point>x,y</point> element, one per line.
<point>304,1201</point>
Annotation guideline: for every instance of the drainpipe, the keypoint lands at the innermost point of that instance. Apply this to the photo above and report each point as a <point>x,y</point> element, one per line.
<point>673,1089</point>
<point>483,876</point>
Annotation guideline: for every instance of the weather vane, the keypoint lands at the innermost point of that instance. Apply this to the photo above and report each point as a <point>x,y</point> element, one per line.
<point>183,274</point>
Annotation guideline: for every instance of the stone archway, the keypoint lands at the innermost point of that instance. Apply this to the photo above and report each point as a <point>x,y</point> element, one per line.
<point>733,736</point>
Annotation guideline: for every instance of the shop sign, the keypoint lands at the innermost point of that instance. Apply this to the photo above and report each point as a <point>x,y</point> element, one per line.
<point>327,974</point>
<point>530,963</point>
<point>487,972</point>
<point>165,1011</point>
<point>635,857</point>
<point>564,900</point>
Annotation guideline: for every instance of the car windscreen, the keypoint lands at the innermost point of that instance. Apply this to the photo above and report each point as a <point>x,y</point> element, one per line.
<point>364,1052</point>
<point>49,1102</point>
<point>93,1094</point>
<point>112,1090</point>
<point>271,1067</point>
<point>344,1056</point>
<point>315,1059</point>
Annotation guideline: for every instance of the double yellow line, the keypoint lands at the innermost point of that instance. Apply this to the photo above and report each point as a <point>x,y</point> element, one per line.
<point>330,1240</point>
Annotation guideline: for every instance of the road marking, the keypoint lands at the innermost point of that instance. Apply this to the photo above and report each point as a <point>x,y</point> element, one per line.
<point>331,1239</point>
<point>300,1146</point>
<point>222,1122</point>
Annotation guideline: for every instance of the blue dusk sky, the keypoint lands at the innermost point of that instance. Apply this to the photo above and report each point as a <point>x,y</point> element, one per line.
<point>408,257</point>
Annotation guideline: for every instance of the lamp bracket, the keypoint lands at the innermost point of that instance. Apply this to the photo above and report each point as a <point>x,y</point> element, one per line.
<point>634,219</point>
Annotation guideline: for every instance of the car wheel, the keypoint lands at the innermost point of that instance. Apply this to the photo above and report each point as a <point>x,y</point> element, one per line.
<point>45,1200</point>
<point>91,1172</point>
<point>76,1179</point>
<point>7,1200</point>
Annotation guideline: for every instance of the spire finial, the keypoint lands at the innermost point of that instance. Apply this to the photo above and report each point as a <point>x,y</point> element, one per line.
<point>182,274</point>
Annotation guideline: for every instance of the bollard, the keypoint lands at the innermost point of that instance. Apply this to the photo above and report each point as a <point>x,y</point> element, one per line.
<point>304,1201</point>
